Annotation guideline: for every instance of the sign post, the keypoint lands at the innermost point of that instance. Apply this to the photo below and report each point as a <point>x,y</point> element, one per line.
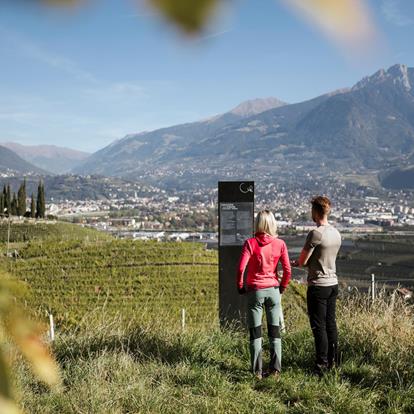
<point>236,224</point>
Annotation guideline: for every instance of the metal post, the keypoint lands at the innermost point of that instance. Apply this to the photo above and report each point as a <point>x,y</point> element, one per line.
<point>183,319</point>
<point>52,327</point>
<point>373,286</point>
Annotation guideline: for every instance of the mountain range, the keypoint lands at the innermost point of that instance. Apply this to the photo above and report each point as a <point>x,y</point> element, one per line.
<point>51,158</point>
<point>131,155</point>
<point>368,126</point>
<point>11,163</point>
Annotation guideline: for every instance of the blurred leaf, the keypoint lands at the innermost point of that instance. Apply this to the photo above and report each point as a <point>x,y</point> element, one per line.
<point>4,378</point>
<point>347,22</point>
<point>27,337</point>
<point>8,406</point>
<point>189,15</point>
<point>25,334</point>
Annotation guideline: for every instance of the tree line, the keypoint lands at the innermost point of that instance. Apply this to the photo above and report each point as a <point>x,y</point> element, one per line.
<point>16,205</point>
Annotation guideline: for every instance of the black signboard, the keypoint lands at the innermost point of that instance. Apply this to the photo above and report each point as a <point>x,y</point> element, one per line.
<point>236,224</point>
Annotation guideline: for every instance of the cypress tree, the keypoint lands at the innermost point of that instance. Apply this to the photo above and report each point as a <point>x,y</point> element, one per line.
<point>4,198</point>
<point>40,204</point>
<point>43,203</point>
<point>14,206</point>
<point>7,201</point>
<point>1,204</point>
<point>32,207</point>
<point>39,195</point>
<point>21,199</point>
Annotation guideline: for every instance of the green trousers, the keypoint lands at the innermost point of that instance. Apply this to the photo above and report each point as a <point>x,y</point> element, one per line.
<point>269,299</point>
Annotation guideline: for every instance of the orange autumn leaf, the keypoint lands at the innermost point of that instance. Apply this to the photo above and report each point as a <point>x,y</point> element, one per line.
<point>347,22</point>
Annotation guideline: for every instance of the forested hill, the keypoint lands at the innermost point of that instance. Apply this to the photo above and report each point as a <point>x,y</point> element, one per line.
<point>10,162</point>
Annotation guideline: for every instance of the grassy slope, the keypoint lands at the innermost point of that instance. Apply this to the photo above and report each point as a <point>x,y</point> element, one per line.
<point>148,365</point>
<point>47,231</point>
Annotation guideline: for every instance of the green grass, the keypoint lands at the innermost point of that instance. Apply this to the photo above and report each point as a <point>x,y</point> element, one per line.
<point>150,366</point>
<point>136,359</point>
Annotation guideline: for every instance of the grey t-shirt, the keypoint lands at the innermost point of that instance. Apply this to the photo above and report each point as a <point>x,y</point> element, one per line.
<point>324,243</point>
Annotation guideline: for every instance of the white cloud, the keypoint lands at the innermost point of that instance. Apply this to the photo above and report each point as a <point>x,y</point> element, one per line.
<point>391,10</point>
<point>141,15</point>
<point>31,50</point>
<point>18,117</point>
<point>212,35</point>
<point>98,88</point>
<point>115,91</point>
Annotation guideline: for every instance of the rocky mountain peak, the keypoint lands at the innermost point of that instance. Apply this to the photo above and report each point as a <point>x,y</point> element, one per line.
<point>256,106</point>
<point>397,74</point>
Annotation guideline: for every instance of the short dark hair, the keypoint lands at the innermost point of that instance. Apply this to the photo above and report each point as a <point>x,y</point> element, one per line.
<point>321,205</point>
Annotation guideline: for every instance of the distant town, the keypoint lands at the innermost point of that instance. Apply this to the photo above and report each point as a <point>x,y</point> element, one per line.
<point>192,215</point>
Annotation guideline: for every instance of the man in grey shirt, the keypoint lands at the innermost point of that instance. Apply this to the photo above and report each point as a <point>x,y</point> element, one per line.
<point>319,256</point>
<point>322,244</point>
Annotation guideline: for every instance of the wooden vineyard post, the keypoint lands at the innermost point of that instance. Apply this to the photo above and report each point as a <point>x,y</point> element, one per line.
<point>372,287</point>
<point>182,319</point>
<point>52,327</point>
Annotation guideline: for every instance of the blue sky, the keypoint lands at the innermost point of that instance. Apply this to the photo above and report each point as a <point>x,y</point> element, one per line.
<point>87,77</point>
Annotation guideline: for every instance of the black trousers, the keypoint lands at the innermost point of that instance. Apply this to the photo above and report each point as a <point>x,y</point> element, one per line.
<point>321,302</point>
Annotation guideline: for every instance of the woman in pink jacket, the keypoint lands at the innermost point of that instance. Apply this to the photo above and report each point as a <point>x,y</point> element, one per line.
<point>262,254</point>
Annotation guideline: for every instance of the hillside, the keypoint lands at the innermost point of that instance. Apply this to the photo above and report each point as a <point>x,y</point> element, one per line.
<point>51,158</point>
<point>369,126</point>
<point>121,347</point>
<point>47,231</point>
<point>11,163</point>
<point>76,187</point>
<point>400,178</point>
<point>129,155</point>
<point>118,275</point>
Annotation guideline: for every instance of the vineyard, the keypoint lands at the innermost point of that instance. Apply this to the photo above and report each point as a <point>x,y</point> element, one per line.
<point>84,273</point>
<point>46,231</point>
<point>389,257</point>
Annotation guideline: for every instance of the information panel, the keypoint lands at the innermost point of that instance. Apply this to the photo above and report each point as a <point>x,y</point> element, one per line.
<point>236,224</point>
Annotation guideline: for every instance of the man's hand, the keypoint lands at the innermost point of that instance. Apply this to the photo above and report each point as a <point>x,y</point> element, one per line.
<point>242,290</point>
<point>281,289</point>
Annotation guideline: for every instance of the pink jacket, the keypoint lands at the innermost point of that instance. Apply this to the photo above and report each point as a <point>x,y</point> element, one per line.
<point>262,254</point>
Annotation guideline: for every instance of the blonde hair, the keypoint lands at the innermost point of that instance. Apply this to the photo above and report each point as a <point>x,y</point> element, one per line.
<point>266,223</point>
